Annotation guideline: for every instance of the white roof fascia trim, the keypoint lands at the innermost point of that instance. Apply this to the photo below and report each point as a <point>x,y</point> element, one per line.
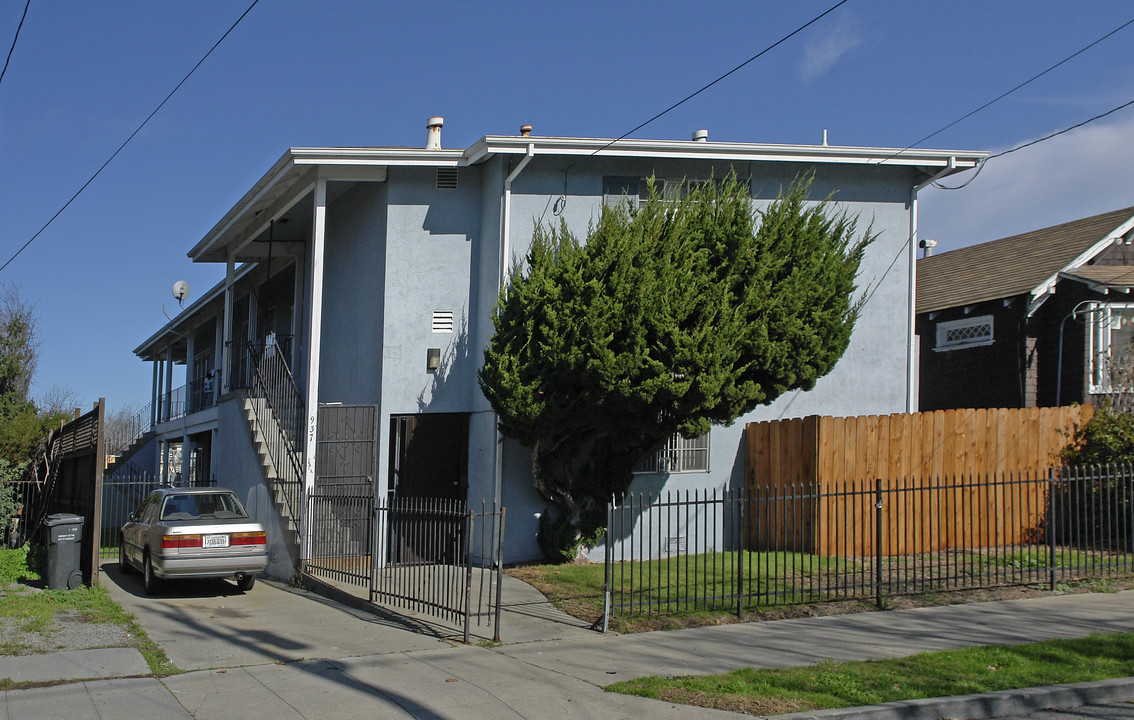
<point>377,156</point>
<point>488,145</point>
<point>1041,292</point>
<point>190,311</point>
<point>262,186</point>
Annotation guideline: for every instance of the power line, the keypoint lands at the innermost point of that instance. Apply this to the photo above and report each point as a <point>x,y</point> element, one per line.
<point>14,38</point>
<point>1005,94</point>
<point>689,97</point>
<point>127,141</point>
<point>1064,130</point>
<point>1037,141</point>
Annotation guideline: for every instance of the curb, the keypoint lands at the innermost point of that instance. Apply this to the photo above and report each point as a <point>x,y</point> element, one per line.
<point>983,705</point>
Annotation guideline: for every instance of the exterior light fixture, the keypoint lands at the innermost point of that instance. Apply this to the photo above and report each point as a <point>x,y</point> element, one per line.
<point>432,359</point>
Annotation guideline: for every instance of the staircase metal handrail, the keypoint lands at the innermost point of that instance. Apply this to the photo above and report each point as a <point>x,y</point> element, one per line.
<point>281,418</point>
<point>119,438</point>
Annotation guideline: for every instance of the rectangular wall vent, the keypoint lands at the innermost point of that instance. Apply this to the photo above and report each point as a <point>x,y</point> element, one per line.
<point>442,321</point>
<point>446,178</point>
<point>675,545</point>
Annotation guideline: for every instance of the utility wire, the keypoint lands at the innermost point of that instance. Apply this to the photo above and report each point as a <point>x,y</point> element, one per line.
<point>14,38</point>
<point>127,141</point>
<point>1064,130</point>
<point>1005,94</point>
<point>1037,141</point>
<point>689,97</point>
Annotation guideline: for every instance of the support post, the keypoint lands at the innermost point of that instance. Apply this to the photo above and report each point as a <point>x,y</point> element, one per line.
<point>226,348</point>
<point>878,543</point>
<point>314,339</point>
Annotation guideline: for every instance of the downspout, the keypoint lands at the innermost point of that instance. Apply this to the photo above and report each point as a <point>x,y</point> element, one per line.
<point>911,310</point>
<point>505,265</point>
<point>506,225</point>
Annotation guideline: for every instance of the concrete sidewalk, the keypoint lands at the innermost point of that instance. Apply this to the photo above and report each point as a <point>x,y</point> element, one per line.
<point>255,670</point>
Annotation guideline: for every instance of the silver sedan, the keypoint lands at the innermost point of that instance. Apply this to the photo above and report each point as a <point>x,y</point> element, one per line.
<point>192,533</point>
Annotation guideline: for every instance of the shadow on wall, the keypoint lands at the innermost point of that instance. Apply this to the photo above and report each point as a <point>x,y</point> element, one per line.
<point>258,503</point>
<point>449,388</point>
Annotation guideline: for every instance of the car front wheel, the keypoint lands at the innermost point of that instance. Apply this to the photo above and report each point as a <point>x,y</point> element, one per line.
<point>150,581</point>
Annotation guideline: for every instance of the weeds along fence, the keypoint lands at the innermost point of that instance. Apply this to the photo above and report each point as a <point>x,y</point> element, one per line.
<point>759,548</point>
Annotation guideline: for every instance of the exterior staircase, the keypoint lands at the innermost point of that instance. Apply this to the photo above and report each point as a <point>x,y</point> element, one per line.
<point>123,456</point>
<point>282,480</point>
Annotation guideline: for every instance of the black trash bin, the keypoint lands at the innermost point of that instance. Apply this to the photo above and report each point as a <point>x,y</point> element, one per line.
<point>64,550</point>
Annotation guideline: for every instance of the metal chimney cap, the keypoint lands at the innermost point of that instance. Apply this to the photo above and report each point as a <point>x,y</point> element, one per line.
<point>525,130</point>
<point>433,136</point>
<point>701,135</point>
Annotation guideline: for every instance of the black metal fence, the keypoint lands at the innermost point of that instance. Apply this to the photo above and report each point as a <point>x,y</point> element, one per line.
<point>747,550</point>
<point>340,528</point>
<point>122,492</point>
<point>18,498</point>
<point>432,556</point>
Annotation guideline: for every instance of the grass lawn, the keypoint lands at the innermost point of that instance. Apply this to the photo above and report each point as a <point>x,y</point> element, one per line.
<point>690,590</point>
<point>936,674</point>
<point>35,612</point>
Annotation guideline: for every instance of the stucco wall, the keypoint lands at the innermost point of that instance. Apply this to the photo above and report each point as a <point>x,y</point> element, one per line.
<point>242,473</point>
<point>354,262</point>
<point>869,379</point>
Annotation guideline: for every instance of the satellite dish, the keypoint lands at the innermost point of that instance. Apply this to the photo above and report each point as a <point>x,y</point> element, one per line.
<point>180,291</point>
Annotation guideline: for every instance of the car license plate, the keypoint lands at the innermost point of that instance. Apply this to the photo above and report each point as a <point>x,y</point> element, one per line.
<point>215,541</point>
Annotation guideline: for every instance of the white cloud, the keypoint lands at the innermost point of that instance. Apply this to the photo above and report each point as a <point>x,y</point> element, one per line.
<point>1083,173</point>
<point>827,46</point>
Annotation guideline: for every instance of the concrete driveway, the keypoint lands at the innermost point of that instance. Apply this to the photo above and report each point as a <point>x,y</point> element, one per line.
<point>211,624</point>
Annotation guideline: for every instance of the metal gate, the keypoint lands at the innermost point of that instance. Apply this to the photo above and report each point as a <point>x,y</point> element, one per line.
<point>340,525</point>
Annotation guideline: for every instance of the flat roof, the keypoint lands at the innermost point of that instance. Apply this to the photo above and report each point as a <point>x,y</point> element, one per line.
<point>296,170</point>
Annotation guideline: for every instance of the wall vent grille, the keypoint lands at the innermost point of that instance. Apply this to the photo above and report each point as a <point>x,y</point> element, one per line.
<point>446,178</point>
<point>442,321</point>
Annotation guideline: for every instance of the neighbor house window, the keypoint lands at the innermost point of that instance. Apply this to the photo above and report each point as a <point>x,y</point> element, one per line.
<point>678,455</point>
<point>1111,330</point>
<point>969,332</point>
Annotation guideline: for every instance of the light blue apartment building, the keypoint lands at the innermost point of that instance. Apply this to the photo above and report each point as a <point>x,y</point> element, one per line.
<point>368,275</point>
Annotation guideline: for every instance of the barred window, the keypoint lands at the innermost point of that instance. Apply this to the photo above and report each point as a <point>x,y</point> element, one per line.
<point>678,455</point>
<point>969,332</point>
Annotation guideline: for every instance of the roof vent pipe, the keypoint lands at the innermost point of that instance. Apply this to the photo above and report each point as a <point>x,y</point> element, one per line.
<point>433,139</point>
<point>525,131</point>
<point>927,246</point>
<point>700,136</point>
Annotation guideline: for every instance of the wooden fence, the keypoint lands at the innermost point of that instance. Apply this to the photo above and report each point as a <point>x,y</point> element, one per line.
<point>842,461</point>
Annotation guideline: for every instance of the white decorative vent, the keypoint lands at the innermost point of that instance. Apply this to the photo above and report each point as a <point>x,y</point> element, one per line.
<point>969,332</point>
<point>675,545</point>
<point>446,178</point>
<point>442,321</point>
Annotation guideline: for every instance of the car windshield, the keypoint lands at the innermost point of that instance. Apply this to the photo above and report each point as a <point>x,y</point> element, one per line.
<point>197,506</point>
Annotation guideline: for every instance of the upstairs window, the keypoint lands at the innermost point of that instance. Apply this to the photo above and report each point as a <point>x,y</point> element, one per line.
<point>969,332</point>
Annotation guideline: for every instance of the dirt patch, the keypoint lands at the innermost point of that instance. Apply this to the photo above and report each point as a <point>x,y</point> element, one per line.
<point>736,703</point>
<point>68,630</point>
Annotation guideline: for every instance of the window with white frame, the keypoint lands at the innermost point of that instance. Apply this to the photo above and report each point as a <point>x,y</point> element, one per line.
<point>1111,337</point>
<point>964,333</point>
<point>678,455</point>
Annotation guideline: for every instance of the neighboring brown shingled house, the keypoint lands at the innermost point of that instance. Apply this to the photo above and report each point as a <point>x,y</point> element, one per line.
<point>989,316</point>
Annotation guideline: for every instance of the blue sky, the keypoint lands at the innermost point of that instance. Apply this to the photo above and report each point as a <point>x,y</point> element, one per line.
<point>83,76</point>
